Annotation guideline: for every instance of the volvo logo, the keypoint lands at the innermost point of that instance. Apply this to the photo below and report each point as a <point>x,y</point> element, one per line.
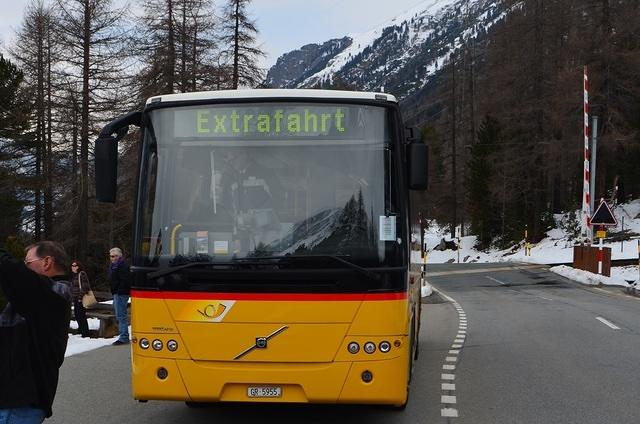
<point>261,342</point>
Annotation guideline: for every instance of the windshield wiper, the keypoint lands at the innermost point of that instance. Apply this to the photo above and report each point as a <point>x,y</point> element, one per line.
<point>261,259</point>
<point>349,264</point>
<point>167,271</point>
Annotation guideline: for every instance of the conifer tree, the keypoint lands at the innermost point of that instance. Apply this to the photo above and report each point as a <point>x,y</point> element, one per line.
<point>239,37</point>
<point>14,115</point>
<point>479,180</point>
<point>35,51</point>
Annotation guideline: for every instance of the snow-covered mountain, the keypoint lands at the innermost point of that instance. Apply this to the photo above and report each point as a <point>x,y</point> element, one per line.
<point>400,56</point>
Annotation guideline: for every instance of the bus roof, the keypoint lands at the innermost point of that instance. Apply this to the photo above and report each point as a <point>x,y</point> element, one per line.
<point>272,93</point>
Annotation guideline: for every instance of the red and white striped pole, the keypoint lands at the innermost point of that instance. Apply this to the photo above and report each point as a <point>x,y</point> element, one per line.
<point>586,196</point>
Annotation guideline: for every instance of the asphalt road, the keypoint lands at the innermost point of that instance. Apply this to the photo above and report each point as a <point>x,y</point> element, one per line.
<point>543,349</point>
<point>516,345</point>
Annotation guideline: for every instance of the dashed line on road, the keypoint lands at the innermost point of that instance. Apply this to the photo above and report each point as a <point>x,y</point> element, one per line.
<point>495,280</point>
<point>608,323</point>
<point>448,397</point>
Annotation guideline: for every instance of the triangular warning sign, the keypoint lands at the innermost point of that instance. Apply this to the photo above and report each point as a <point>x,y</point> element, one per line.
<point>603,216</point>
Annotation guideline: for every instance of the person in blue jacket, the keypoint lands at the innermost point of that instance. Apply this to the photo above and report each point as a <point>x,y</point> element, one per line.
<point>120,279</point>
<point>34,328</point>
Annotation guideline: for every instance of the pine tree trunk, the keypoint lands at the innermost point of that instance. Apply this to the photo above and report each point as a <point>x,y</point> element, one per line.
<point>83,215</point>
<point>236,46</point>
<point>170,64</point>
<point>48,188</point>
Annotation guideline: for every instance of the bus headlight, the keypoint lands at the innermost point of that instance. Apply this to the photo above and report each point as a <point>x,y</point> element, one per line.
<point>384,347</point>
<point>353,347</point>
<point>172,345</point>
<point>369,347</point>
<point>144,343</point>
<point>157,344</point>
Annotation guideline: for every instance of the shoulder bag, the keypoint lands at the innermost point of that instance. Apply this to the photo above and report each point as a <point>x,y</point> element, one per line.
<point>88,299</point>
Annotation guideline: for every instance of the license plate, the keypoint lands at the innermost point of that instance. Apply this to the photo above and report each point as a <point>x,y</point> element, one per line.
<point>264,391</point>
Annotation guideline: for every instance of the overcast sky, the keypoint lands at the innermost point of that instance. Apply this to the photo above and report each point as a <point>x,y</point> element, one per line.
<point>284,25</point>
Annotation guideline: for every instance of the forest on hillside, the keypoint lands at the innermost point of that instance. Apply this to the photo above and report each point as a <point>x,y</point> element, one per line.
<point>504,117</point>
<point>77,64</point>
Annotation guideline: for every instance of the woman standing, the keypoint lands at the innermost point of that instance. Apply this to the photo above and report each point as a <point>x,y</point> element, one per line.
<point>79,287</point>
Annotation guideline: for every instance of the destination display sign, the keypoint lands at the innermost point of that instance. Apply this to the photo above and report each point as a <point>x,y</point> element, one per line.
<point>279,120</point>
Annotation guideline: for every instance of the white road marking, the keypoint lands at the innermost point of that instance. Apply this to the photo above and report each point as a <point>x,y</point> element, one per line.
<point>482,271</point>
<point>450,363</point>
<point>496,280</point>
<point>449,412</point>
<point>608,323</point>
<point>447,399</point>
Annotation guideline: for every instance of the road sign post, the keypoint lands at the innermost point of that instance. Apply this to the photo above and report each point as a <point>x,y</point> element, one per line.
<point>603,217</point>
<point>601,235</point>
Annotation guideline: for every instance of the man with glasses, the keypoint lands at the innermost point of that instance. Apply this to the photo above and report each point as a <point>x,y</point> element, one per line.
<point>34,328</point>
<point>120,281</point>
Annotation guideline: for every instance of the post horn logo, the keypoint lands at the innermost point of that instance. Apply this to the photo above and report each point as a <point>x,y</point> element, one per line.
<point>212,310</point>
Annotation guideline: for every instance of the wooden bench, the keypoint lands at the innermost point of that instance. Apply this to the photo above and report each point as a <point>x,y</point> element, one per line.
<point>107,316</point>
<point>106,313</point>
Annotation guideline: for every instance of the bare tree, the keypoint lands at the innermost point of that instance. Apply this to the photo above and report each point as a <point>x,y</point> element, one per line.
<point>93,53</point>
<point>35,52</point>
<point>239,35</point>
<point>176,45</point>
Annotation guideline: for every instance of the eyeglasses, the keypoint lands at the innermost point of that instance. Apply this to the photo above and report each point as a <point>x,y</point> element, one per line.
<point>33,260</point>
<point>112,256</point>
<point>74,265</point>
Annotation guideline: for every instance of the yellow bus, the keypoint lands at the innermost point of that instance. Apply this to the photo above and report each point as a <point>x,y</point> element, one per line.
<point>271,252</point>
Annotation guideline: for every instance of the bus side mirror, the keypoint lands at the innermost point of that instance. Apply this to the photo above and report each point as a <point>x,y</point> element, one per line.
<point>412,134</point>
<point>418,165</point>
<point>106,164</point>
<point>106,155</point>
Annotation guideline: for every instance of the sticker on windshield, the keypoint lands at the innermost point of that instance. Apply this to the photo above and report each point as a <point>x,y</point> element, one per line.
<point>202,242</point>
<point>387,228</point>
<point>220,247</point>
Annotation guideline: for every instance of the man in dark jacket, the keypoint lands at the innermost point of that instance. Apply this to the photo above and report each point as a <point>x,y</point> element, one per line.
<point>34,329</point>
<point>120,280</point>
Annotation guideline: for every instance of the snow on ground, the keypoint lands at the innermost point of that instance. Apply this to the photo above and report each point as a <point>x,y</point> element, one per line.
<point>556,248</point>
<point>78,344</point>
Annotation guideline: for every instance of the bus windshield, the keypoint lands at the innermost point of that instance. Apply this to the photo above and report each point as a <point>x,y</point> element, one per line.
<point>237,181</point>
